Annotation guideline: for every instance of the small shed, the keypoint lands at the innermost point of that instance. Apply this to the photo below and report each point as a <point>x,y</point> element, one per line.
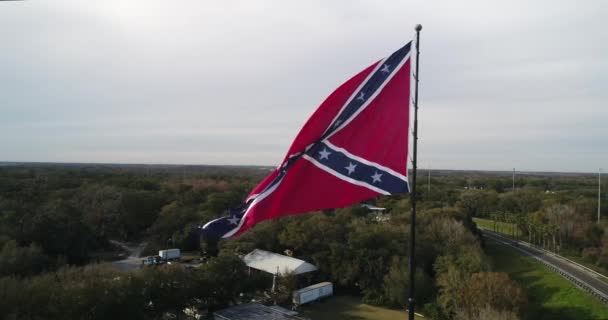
<point>373,208</point>
<point>274,263</point>
<point>380,214</point>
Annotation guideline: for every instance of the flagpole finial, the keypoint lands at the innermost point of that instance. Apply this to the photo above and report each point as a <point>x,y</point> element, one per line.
<point>418,27</point>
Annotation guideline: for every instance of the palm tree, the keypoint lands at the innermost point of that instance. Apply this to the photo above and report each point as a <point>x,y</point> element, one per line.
<point>503,219</point>
<point>559,233</point>
<point>536,236</point>
<point>512,224</point>
<point>494,218</point>
<point>521,224</point>
<point>543,232</point>
<point>530,225</point>
<point>507,219</point>
<point>546,231</point>
<point>553,229</point>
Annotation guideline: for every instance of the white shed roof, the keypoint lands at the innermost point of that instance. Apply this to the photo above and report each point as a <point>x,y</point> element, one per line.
<point>269,262</point>
<point>372,207</point>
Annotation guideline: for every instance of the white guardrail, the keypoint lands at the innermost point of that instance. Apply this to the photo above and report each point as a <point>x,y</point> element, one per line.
<point>550,253</point>
<point>572,278</point>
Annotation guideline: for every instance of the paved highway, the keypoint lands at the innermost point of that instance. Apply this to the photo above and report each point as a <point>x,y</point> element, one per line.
<point>584,278</point>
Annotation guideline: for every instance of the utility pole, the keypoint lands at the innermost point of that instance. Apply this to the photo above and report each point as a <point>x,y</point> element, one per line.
<point>599,190</point>
<point>429,183</point>
<point>513,179</point>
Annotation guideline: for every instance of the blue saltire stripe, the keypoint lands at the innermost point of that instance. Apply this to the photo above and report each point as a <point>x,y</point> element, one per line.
<point>375,82</point>
<point>346,166</point>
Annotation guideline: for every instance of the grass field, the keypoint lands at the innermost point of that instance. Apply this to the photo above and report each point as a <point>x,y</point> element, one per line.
<point>350,308</point>
<point>502,227</point>
<point>549,295</point>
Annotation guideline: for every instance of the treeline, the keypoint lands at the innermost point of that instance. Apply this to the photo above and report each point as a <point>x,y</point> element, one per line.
<point>54,217</point>
<point>100,292</point>
<point>564,222</point>
<point>56,221</point>
<point>555,211</point>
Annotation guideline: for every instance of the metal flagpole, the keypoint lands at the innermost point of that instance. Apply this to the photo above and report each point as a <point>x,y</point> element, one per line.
<point>413,195</point>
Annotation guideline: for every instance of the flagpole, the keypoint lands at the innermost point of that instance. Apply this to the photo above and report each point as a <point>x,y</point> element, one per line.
<point>413,195</point>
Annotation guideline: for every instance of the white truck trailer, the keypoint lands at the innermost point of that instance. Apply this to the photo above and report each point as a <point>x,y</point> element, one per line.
<point>312,293</point>
<point>169,254</point>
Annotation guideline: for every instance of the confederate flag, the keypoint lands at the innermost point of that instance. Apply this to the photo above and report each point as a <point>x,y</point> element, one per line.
<point>353,148</point>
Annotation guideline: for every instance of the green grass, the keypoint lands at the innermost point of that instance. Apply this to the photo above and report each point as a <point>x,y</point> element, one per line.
<point>505,229</point>
<point>502,227</point>
<point>550,296</point>
<point>350,308</point>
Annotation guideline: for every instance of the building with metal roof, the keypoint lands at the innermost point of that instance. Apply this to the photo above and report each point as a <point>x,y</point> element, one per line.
<point>256,311</point>
<point>275,263</point>
<point>372,207</point>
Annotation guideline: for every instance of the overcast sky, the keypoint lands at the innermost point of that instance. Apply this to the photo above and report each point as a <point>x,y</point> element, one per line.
<point>504,84</point>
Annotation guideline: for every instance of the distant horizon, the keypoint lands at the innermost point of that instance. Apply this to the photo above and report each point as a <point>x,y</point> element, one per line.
<point>274,166</point>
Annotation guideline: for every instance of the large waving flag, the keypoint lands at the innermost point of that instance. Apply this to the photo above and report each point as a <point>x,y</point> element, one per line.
<point>353,148</point>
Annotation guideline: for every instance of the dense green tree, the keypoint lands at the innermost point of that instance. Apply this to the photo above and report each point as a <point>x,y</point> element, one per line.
<point>139,210</point>
<point>396,285</point>
<point>22,261</point>
<point>478,203</point>
<point>454,271</point>
<point>177,223</point>
<point>493,289</point>
<point>486,313</point>
<point>101,207</point>
<point>221,280</point>
<point>59,230</point>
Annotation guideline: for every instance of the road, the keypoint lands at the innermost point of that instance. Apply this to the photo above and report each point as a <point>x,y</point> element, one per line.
<point>133,261</point>
<point>582,277</point>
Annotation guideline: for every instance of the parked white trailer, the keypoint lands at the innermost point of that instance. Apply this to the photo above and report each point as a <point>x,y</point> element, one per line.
<point>169,254</point>
<point>312,293</point>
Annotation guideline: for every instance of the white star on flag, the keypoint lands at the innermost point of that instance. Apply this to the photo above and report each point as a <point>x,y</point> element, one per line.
<point>385,68</point>
<point>234,220</point>
<point>351,167</point>
<point>324,154</point>
<point>361,96</point>
<point>376,177</point>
